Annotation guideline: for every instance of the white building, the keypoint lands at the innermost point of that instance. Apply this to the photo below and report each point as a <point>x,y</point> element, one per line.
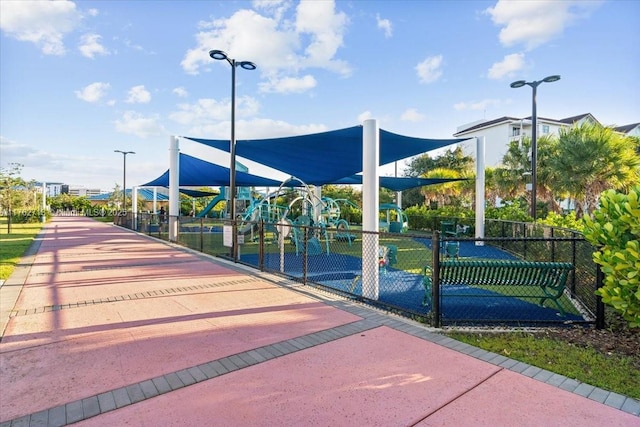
<point>630,130</point>
<point>86,192</point>
<point>499,133</point>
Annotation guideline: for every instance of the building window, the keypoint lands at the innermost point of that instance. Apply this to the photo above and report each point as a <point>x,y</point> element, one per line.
<point>545,129</point>
<point>515,131</point>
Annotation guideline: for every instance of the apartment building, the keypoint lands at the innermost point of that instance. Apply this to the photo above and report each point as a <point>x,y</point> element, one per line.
<point>499,133</point>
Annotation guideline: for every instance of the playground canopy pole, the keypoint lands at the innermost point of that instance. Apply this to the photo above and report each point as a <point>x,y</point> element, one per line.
<point>370,202</point>
<point>174,188</point>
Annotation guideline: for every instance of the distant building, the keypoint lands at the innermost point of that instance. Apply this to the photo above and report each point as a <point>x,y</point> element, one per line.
<point>499,133</point>
<point>84,192</point>
<point>630,130</point>
<point>54,189</point>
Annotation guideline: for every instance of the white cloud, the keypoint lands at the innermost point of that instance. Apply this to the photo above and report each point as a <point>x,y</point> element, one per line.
<point>206,111</point>
<point>181,92</point>
<point>43,23</point>
<point>94,92</point>
<point>533,23</point>
<point>90,46</point>
<point>282,47</point>
<point>319,21</point>
<point>366,115</point>
<point>412,115</point>
<point>477,105</point>
<point>289,84</point>
<point>138,95</point>
<point>385,25</point>
<point>507,67</point>
<point>429,70</point>
<point>137,124</point>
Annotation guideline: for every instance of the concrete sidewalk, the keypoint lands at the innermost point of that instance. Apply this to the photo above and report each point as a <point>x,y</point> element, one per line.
<point>103,326</point>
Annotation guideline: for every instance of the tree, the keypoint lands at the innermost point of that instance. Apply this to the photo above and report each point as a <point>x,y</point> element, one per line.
<point>12,194</point>
<point>448,193</point>
<point>590,159</point>
<point>615,231</point>
<point>510,179</point>
<point>452,164</point>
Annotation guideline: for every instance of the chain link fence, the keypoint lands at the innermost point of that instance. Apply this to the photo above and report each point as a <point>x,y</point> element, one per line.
<point>425,276</point>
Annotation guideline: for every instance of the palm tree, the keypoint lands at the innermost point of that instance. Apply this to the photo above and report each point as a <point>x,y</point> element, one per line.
<point>591,158</point>
<point>510,179</point>
<point>457,192</point>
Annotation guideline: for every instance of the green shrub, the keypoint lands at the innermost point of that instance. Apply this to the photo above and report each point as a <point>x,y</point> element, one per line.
<point>615,230</point>
<point>569,221</point>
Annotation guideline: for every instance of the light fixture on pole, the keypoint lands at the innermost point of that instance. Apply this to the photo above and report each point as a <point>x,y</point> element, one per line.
<point>221,55</point>
<point>124,177</point>
<point>534,134</point>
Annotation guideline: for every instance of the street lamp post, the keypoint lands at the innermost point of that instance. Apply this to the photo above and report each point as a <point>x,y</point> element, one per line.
<point>534,134</point>
<point>247,65</point>
<point>124,177</point>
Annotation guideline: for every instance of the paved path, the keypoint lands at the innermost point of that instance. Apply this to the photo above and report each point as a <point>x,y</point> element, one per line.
<point>103,327</point>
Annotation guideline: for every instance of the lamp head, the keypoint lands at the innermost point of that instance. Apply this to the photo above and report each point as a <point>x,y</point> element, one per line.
<point>218,54</point>
<point>518,84</point>
<point>551,79</point>
<point>247,65</point>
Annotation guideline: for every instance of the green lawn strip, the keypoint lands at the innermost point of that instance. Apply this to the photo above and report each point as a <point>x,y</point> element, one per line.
<point>613,373</point>
<point>15,244</point>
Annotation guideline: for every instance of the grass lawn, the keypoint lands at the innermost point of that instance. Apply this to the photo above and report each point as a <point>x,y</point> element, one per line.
<point>15,244</point>
<point>617,373</point>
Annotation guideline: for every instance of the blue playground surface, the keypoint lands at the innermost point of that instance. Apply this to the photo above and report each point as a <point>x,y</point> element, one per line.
<point>469,249</point>
<point>404,290</point>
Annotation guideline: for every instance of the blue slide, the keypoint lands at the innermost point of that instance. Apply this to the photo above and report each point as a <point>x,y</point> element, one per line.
<point>219,198</point>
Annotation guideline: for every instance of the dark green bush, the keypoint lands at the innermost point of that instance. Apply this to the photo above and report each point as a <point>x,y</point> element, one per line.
<point>615,230</point>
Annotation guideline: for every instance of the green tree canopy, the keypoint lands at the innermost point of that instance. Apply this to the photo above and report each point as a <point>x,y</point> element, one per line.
<point>590,159</point>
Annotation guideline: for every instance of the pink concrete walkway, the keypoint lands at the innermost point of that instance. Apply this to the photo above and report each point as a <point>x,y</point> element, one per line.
<point>107,327</point>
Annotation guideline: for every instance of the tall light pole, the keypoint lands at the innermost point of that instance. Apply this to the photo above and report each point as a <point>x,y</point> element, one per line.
<point>534,134</point>
<point>247,65</point>
<point>124,177</point>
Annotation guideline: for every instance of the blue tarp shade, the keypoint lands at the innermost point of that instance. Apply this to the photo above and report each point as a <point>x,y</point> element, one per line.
<point>399,183</point>
<point>199,173</point>
<point>326,157</point>
<point>195,172</point>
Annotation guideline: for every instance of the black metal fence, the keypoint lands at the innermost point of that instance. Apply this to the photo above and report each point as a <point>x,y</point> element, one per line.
<point>397,271</point>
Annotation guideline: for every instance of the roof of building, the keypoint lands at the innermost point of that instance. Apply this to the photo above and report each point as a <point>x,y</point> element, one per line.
<point>508,119</point>
<point>626,128</point>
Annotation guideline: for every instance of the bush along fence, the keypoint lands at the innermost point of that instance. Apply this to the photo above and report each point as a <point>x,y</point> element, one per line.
<point>518,275</point>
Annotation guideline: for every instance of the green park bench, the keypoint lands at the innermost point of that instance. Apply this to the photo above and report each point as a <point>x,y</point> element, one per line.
<point>523,279</point>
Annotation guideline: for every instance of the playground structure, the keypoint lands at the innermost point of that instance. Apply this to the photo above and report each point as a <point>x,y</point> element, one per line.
<point>394,219</point>
<point>309,221</point>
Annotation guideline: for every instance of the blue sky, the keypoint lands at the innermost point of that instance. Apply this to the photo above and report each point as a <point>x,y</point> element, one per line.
<point>81,79</point>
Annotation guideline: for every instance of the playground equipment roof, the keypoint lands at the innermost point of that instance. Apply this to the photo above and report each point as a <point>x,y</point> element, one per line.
<point>196,172</point>
<point>399,183</point>
<point>327,157</point>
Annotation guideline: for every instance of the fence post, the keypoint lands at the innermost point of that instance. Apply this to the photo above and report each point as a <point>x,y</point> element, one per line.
<point>436,320</point>
<point>201,234</point>
<point>574,260</point>
<point>305,253</point>
<point>599,304</point>
<point>261,244</point>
